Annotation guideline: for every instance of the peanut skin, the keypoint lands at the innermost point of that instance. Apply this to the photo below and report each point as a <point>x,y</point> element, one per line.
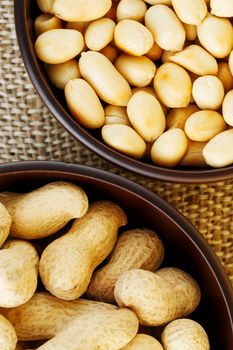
<point>136,248</point>
<point>102,330</point>
<point>157,298</point>
<point>185,334</point>
<point>8,338</point>
<point>50,315</point>
<point>18,273</point>
<point>5,224</point>
<point>44,211</point>
<point>90,240</point>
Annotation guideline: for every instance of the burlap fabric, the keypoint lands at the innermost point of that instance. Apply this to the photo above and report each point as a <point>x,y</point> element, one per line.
<point>29,132</point>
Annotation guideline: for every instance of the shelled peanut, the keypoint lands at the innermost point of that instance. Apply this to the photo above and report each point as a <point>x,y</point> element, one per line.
<point>180,48</point>
<point>130,283</point>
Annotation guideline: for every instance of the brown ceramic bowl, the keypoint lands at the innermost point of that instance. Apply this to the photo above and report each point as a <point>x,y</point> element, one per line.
<point>25,13</point>
<point>184,246</point>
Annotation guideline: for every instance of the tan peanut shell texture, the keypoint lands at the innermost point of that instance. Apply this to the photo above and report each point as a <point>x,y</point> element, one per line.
<point>44,211</point>
<point>67,264</point>
<point>158,298</point>
<point>136,248</point>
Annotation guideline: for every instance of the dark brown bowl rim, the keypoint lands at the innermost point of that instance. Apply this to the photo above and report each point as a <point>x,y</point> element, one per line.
<point>187,228</point>
<point>78,132</point>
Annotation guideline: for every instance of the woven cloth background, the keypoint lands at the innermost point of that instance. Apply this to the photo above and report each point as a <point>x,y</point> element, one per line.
<point>29,132</point>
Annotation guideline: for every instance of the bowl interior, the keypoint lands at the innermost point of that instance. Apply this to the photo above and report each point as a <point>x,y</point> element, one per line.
<point>184,246</point>
<point>25,13</point>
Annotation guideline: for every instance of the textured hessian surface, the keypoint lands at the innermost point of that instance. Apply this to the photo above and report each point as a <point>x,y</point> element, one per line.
<point>29,132</point>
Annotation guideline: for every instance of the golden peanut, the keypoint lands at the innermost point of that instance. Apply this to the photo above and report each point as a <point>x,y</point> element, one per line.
<point>219,151</point>
<point>216,36</point>
<point>59,45</point>
<point>108,83</point>
<point>222,8</point>
<point>224,74</point>
<point>151,91</point>
<point>46,22</point>
<point>197,60</point>
<point>155,52</point>
<point>116,115</point>
<point>79,10</point>
<point>44,211</point>
<point>173,85</point>
<point>110,52</point>
<point>133,37</point>
<point>131,9</point>
<point>135,249</point>
<point>138,71</point>
<point>166,28</point>
<point>90,239</point>
<point>124,139</point>
<point>203,125</point>
<point>227,108</point>
<point>50,315</point>
<point>84,104</point>
<point>231,62</point>
<point>143,342</point>
<point>146,116</point>
<point>8,338</point>
<point>185,334</point>
<point>194,155</point>
<point>60,74</point>
<point>189,11</point>
<point>99,33</point>
<point>158,298</point>
<point>177,117</point>
<point>18,273</point>
<point>169,148</point>
<point>208,92</point>
<point>80,26</point>
<point>45,5</point>
<point>191,31</point>
<point>5,224</point>
<point>103,329</point>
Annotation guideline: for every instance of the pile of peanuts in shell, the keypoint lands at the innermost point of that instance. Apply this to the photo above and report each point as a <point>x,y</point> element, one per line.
<point>80,305</point>
<point>155,75</point>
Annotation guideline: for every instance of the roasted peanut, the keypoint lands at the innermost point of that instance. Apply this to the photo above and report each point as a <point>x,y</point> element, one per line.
<point>194,155</point>
<point>124,139</point>
<point>216,36</point>
<point>173,85</point>
<point>219,151</point>
<point>155,52</point>
<point>79,10</point>
<point>148,255</point>
<point>203,125</point>
<point>61,74</point>
<point>5,224</point>
<point>185,334</point>
<point>166,28</point>
<point>84,104</point>
<point>157,298</point>
<point>169,148</point>
<point>8,338</point>
<point>197,60</point>
<point>57,313</point>
<point>45,5</point>
<point>99,33</point>
<point>224,74</point>
<point>227,108</point>
<point>138,71</point>
<point>59,45</point>
<point>191,31</point>
<point>18,273</point>
<point>146,116</point>
<point>46,22</point>
<point>131,9</point>
<point>222,8</point>
<point>208,92</point>
<point>103,329</point>
<point>133,37</point>
<point>116,115</point>
<point>189,11</point>
<point>108,83</point>
<point>80,26</point>
<point>44,211</point>
<point>90,239</point>
<point>177,117</point>
<point>143,342</point>
<point>110,52</point>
